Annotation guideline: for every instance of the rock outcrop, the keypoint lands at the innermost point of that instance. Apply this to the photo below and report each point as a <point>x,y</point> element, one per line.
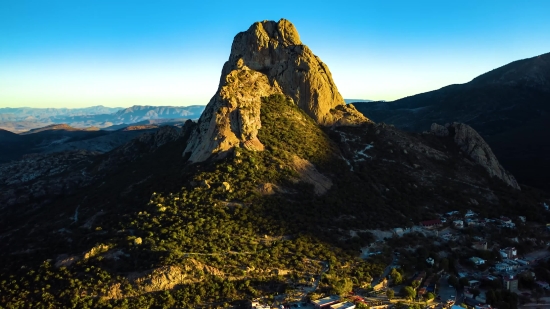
<point>267,59</point>
<point>475,147</point>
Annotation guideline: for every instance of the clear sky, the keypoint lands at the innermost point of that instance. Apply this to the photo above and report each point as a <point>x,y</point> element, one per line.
<point>120,53</point>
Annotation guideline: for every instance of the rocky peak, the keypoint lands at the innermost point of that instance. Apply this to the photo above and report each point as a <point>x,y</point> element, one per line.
<point>275,49</point>
<point>475,147</point>
<point>269,58</point>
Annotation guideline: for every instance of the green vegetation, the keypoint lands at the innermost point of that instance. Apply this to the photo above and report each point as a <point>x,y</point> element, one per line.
<point>408,292</point>
<point>222,244</point>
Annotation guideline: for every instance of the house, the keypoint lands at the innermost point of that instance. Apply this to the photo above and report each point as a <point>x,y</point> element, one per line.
<point>545,206</point>
<point>510,283</point>
<point>454,212</point>
<point>511,253</point>
<point>431,223</point>
<point>503,267</point>
<point>326,302</point>
<point>458,224</point>
<point>476,260</point>
<point>522,219</point>
<point>474,283</point>
<point>421,291</point>
<point>346,305</point>
<point>398,231</point>
<point>430,261</point>
<point>469,214</point>
<point>480,245</point>
<point>505,219</point>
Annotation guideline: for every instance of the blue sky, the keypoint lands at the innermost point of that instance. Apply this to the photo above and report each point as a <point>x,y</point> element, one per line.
<point>121,53</point>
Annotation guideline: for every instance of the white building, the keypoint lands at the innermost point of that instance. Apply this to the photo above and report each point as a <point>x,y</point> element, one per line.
<point>477,261</point>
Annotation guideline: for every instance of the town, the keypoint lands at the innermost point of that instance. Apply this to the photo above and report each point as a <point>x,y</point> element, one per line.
<point>456,260</point>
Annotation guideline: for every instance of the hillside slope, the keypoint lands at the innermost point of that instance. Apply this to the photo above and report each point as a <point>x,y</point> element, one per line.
<point>144,227</point>
<point>498,104</point>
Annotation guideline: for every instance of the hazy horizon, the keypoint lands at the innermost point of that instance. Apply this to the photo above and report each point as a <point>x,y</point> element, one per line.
<point>67,54</point>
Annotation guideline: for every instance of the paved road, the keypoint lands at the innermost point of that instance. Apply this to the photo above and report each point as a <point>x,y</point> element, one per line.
<point>447,292</point>
<point>386,271</point>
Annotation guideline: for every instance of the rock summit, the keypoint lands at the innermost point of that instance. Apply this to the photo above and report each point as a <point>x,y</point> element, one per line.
<point>269,58</point>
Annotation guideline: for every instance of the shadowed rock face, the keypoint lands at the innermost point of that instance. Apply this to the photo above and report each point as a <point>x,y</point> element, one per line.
<point>475,147</point>
<point>267,59</point>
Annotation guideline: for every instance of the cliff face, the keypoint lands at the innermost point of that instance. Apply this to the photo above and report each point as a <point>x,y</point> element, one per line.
<point>475,147</point>
<point>266,59</point>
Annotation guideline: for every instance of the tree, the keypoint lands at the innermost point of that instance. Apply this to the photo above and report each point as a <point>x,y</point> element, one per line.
<point>475,292</point>
<point>396,276</point>
<point>430,295</point>
<point>464,282</point>
<point>343,287</point>
<point>444,265</point>
<point>361,306</point>
<point>408,292</point>
<point>390,294</point>
<point>453,281</point>
<point>415,284</point>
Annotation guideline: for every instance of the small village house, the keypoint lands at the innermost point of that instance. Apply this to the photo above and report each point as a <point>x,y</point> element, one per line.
<point>326,302</point>
<point>511,253</point>
<point>510,283</point>
<point>346,305</point>
<point>431,223</point>
<point>476,260</point>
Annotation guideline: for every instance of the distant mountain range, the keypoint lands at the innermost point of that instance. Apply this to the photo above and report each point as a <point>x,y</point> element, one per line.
<point>24,119</point>
<point>356,100</point>
<point>509,106</point>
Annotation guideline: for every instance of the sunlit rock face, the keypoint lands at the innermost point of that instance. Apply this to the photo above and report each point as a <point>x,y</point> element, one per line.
<point>266,59</point>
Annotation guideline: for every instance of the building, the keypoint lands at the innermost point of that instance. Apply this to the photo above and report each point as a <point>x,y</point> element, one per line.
<point>431,223</point>
<point>458,224</point>
<point>503,267</point>
<point>510,283</point>
<point>480,245</point>
<point>346,305</point>
<point>469,214</point>
<point>430,261</point>
<point>505,219</point>
<point>477,261</point>
<point>398,231</point>
<point>511,253</point>
<point>326,302</point>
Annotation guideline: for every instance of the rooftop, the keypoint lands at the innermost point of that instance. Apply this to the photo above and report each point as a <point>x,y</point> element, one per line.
<point>326,300</point>
<point>343,305</point>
